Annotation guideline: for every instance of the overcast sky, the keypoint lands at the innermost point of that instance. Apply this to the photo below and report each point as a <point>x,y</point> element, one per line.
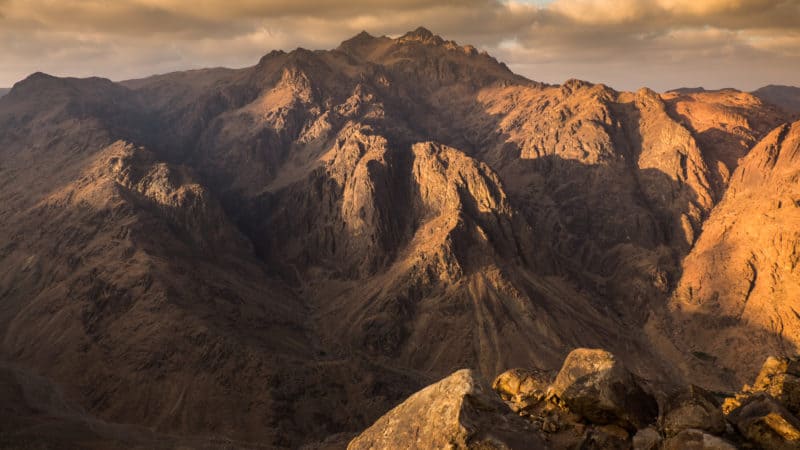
<point>624,43</point>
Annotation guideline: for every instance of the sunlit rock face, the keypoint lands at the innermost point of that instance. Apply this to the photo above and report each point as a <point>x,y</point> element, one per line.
<point>460,411</point>
<point>744,268</point>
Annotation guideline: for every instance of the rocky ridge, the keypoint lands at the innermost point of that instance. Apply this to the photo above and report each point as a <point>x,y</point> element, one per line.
<point>593,402</point>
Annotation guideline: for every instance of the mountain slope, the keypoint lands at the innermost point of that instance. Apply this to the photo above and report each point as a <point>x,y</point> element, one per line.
<point>743,272</point>
<point>281,253</point>
<point>786,97</point>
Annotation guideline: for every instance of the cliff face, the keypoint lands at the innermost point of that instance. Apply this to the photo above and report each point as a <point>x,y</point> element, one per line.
<point>744,268</point>
<point>319,235</point>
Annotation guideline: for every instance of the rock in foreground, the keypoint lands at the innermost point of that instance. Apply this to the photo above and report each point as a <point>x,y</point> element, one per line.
<point>691,439</point>
<point>693,408</point>
<point>458,412</point>
<point>766,423</point>
<point>593,403</point>
<point>595,385</point>
<point>522,388</point>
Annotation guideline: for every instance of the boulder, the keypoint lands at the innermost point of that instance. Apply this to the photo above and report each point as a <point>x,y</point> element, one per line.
<point>593,384</point>
<point>522,388</point>
<point>458,412</point>
<point>780,378</point>
<point>692,439</point>
<point>766,423</point>
<point>607,437</point>
<point>646,439</point>
<point>693,407</point>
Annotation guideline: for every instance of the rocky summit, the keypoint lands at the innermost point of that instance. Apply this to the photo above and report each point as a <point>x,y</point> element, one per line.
<point>285,255</point>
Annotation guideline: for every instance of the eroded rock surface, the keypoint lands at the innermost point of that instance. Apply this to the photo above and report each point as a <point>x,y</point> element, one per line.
<point>737,296</point>
<point>594,384</point>
<point>690,439</point>
<point>693,408</point>
<point>459,412</point>
<point>766,423</point>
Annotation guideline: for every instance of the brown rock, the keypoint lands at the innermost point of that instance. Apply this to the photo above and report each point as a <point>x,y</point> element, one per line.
<point>780,378</point>
<point>459,412</point>
<point>646,439</point>
<point>691,439</point>
<point>594,384</point>
<point>766,423</point>
<point>522,388</point>
<point>693,407</point>
<point>606,437</point>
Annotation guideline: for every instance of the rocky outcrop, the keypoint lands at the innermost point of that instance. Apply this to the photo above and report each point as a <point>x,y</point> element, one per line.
<point>780,378</point>
<point>646,439</point>
<point>690,417</point>
<point>726,124</point>
<point>172,191</point>
<point>765,413</point>
<point>777,378</point>
<point>594,384</point>
<point>684,197</point>
<point>692,408</point>
<point>691,439</point>
<point>766,423</point>
<point>522,389</point>
<point>459,412</point>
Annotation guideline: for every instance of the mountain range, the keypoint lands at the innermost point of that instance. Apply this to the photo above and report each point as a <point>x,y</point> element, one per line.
<point>275,256</point>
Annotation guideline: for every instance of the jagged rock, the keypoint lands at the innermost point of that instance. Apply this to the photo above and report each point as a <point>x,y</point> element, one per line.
<point>522,388</point>
<point>691,439</point>
<point>726,123</point>
<point>458,412</point>
<point>780,378</point>
<point>766,423</point>
<point>594,384</point>
<point>646,439</point>
<point>693,407</point>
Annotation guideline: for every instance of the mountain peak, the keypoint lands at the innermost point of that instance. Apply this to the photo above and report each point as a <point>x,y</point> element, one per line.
<point>46,86</point>
<point>40,76</point>
<point>362,36</point>
<point>361,39</point>
<point>423,35</point>
<point>421,32</point>
<point>36,78</point>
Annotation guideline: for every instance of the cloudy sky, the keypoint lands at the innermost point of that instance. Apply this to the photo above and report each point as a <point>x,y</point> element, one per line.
<point>624,43</point>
